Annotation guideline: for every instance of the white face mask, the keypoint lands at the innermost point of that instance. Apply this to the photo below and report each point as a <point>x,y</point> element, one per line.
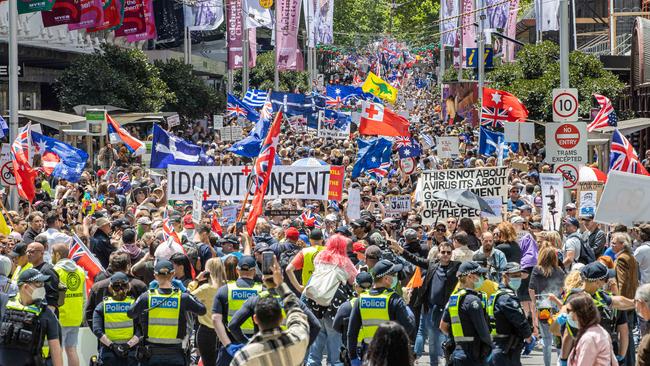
<point>38,294</point>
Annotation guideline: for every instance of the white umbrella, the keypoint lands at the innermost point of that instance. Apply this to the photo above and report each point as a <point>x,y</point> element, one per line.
<point>308,162</point>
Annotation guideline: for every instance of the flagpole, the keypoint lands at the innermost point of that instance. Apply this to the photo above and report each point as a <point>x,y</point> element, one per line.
<point>244,50</point>
<point>13,85</point>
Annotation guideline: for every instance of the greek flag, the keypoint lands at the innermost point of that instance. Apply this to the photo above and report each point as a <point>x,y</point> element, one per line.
<point>427,139</point>
<point>4,129</point>
<point>255,98</point>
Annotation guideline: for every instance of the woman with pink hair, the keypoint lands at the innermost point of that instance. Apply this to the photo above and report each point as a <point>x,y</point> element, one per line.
<point>336,253</point>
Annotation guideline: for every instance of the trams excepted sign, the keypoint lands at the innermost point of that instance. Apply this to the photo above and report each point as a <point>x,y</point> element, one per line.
<point>565,105</point>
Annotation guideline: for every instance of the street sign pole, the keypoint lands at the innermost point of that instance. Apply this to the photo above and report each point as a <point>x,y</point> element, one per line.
<point>13,85</point>
<point>481,50</point>
<point>461,52</point>
<point>564,44</point>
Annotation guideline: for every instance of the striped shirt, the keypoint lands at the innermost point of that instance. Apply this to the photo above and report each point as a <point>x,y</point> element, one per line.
<point>276,347</point>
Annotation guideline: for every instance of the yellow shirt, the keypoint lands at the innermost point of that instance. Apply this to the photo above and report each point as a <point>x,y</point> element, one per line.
<point>206,293</point>
<point>488,287</point>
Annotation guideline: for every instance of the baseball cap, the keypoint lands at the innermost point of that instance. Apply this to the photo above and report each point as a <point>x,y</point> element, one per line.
<point>246,263</point>
<point>595,271</point>
<point>292,233</point>
<point>536,225</point>
<point>119,277</point>
<point>517,220</point>
<point>19,250</point>
<point>163,267</point>
<point>525,207</point>
<point>367,215</point>
<point>144,220</point>
<point>261,247</point>
<point>410,235</point>
<point>316,234</point>
<point>32,275</point>
<point>364,280</point>
<point>572,221</point>
<point>385,267</point>
<point>570,206</point>
<point>470,267</point>
<point>358,247</point>
<point>358,223</point>
<point>102,221</point>
<point>344,230</point>
<point>187,222</point>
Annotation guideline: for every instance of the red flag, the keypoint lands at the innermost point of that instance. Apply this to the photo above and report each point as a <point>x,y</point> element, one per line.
<point>24,173</point>
<point>216,227</point>
<point>263,168</point>
<point>86,260</point>
<point>379,120</point>
<point>500,106</point>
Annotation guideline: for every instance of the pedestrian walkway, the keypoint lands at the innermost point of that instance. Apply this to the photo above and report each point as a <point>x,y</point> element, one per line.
<point>534,359</point>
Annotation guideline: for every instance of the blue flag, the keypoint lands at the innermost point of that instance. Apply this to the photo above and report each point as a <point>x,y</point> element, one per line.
<point>237,108</point>
<point>60,159</point>
<point>490,142</point>
<point>373,157</point>
<point>292,104</point>
<point>255,98</point>
<point>250,146</point>
<point>407,147</point>
<point>169,149</point>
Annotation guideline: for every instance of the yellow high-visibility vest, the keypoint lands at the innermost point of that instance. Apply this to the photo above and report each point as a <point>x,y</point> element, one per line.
<point>308,267</point>
<point>118,327</point>
<point>14,304</point>
<point>164,312</point>
<point>71,312</point>
<point>455,300</point>
<point>374,311</point>
<point>237,296</point>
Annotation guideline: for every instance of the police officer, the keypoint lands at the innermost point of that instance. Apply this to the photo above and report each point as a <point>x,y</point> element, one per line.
<point>29,332</point>
<point>362,284</point>
<point>227,301</point>
<point>111,325</point>
<point>508,322</point>
<point>378,306</point>
<point>162,314</point>
<point>467,319</point>
<point>19,256</point>
<point>595,276</point>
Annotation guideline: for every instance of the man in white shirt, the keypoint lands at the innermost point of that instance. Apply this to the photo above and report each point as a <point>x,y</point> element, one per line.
<point>642,253</point>
<point>53,224</point>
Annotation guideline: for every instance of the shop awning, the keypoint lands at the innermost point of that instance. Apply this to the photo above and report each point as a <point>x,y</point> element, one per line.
<point>52,119</point>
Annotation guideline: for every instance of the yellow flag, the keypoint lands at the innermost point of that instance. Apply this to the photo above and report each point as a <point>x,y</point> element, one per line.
<point>376,86</point>
<point>4,229</point>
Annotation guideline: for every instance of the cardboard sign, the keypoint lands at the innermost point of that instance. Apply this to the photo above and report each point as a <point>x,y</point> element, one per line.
<point>354,204</point>
<point>197,205</point>
<point>552,200</point>
<point>218,121</point>
<point>625,199</point>
<point>448,147</point>
<point>231,133</point>
<point>588,196</point>
<point>395,205</point>
<point>521,132</point>
<point>173,121</point>
<point>331,128</point>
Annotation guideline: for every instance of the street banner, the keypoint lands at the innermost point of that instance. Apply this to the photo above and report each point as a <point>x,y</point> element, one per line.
<point>354,204</point>
<point>63,12</point>
<point>134,19</point>
<point>92,15</point>
<point>234,30</point>
<point>31,6</point>
<point>552,200</point>
<point>468,28</point>
<point>113,11</point>
<point>588,196</point>
<point>625,199</point>
<point>288,21</point>
<point>448,147</point>
<point>397,204</point>
<point>197,205</point>
<point>484,182</point>
<point>229,183</point>
<point>203,15</point>
<point>324,22</point>
<point>448,27</point>
<point>150,25</point>
<point>511,30</point>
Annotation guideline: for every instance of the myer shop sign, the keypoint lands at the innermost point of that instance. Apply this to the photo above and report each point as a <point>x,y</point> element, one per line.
<point>4,70</point>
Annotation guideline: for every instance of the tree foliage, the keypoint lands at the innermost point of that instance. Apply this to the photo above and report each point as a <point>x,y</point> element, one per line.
<point>114,76</point>
<point>262,76</point>
<point>194,98</point>
<point>536,72</point>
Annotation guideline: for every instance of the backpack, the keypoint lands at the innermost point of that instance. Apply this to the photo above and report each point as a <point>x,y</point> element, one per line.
<point>287,256</point>
<point>586,252</point>
<point>324,284</point>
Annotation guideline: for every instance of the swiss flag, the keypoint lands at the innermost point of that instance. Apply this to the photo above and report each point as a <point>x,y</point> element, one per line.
<point>515,109</point>
<point>378,120</point>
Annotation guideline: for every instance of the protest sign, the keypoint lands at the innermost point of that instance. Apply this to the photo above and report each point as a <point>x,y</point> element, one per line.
<point>173,121</point>
<point>552,200</point>
<point>354,204</point>
<point>197,205</point>
<point>331,127</point>
<point>218,121</point>
<point>448,147</point>
<point>625,199</point>
<point>229,183</point>
<point>588,196</point>
<point>231,133</point>
<point>283,212</point>
<point>336,182</point>
<point>229,214</point>
<point>496,204</point>
<point>523,132</point>
<point>484,182</point>
<point>395,205</point>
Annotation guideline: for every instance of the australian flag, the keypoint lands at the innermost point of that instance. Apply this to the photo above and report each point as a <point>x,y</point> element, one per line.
<point>237,108</point>
<point>373,157</point>
<point>407,147</point>
<point>250,146</point>
<point>60,159</point>
<point>292,104</point>
<point>169,149</point>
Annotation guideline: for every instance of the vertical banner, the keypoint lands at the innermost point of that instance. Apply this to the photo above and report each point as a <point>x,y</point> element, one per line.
<point>92,15</point>
<point>552,200</point>
<point>150,25</point>
<point>324,22</point>
<point>203,15</point>
<point>113,12</point>
<point>511,31</point>
<point>234,30</point>
<point>449,11</point>
<point>337,174</point>
<point>134,19</point>
<point>467,22</point>
<point>288,56</point>
<point>63,12</point>
<point>31,6</point>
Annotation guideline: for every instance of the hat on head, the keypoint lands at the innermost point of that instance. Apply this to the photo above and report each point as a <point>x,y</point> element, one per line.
<point>595,271</point>
<point>525,207</point>
<point>410,235</point>
<point>163,267</point>
<point>246,263</point>
<point>536,225</point>
<point>144,220</point>
<point>32,275</point>
<point>119,277</point>
<point>262,247</point>
<point>331,218</point>
<point>513,267</point>
<point>364,280</point>
<point>358,223</point>
<point>19,250</point>
<point>587,216</point>
<point>230,238</point>
<point>102,221</point>
<point>570,206</point>
<point>467,268</point>
<point>316,234</point>
<point>385,267</point>
<point>343,230</point>
<point>377,239</point>
<point>188,223</point>
<point>358,247</point>
<point>572,221</point>
<point>292,233</point>
<point>368,216</point>
<point>517,220</point>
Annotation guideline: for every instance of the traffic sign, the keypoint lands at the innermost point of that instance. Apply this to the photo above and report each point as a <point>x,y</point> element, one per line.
<point>569,174</point>
<point>567,136</point>
<point>407,165</point>
<point>566,143</point>
<point>565,105</point>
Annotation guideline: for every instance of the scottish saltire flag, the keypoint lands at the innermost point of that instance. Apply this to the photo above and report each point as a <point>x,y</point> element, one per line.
<point>491,142</point>
<point>373,157</point>
<point>169,149</point>
<point>623,157</point>
<point>255,98</point>
<point>4,128</point>
<point>60,159</point>
<point>250,146</point>
<point>118,134</point>
<point>237,108</point>
<point>407,147</point>
<point>427,139</point>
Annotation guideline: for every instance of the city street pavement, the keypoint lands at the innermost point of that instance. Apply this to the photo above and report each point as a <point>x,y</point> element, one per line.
<point>534,359</point>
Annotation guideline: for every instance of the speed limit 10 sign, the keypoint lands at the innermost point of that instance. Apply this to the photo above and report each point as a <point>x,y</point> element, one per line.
<point>565,105</point>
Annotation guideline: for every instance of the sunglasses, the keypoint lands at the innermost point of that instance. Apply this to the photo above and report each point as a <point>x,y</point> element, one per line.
<point>441,230</point>
<point>445,252</point>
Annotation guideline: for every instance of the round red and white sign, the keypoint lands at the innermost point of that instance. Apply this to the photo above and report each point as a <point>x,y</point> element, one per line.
<point>565,105</point>
<point>567,136</point>
<point>7,174</point>
<point>569,173</point>
<point>407,165</point>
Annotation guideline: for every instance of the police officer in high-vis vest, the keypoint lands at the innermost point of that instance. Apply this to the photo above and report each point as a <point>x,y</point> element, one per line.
<point>465,318</point>
<point>19,256</point>
<point>162,313</point>
<point>71,312</point>
<point>230,298</point>
<point>116,332</point>
<point>377,306</point>
<point>362,284</point>
<point>510,328</point>
<point>29,332</point>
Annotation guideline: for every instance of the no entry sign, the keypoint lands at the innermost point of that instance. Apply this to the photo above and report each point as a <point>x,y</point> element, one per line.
<point>565,105</point>
<point>566,143</point>
<point>567,136</point>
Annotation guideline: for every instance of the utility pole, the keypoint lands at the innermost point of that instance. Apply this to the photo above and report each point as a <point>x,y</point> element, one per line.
<point>13,85</point>
<point>564,43</point>
<point>276,73</point>
<point>481,50</point>
<point>460,42</point>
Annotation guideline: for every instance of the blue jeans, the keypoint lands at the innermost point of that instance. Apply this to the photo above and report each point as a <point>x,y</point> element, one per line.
<point>327,338</point>
<point>547,340</point>
<point>428,329</point>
